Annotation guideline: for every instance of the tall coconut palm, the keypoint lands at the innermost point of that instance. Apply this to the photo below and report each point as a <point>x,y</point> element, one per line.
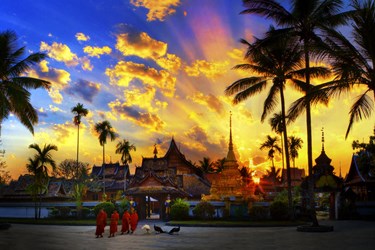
<point>353,62</point>
<point>276,122</point>
<point>305,19</point>
<point>42,160</point>
<point>124,147</point>
<point>272,145</point>
<point>105,130</point>
<point>295,144</point>
<point>272,62</point>
<point>14,84</point>
<point>44,157</point>
<point>206,165</point>
<point>78,111</point>
<point>37,187</point>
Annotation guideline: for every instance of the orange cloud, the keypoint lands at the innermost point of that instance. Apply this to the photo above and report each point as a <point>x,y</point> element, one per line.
<point>59,78</point>
<point>60,52</point>
<point>97,51</point>
<point>141,118</point>
<point>124,72</point>
<point>141,45</point>
<point>82,37</point>
<point>169,62</point>
<point>210,101</point>
<point>86,64</point>
<point>208,69</point>
<point>143,98</point>
<point>157,10</point>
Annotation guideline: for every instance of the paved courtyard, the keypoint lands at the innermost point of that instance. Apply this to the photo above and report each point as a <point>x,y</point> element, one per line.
<point>346,235</point>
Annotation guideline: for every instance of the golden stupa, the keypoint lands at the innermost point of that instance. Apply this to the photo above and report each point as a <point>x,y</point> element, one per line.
<point>228,184</point>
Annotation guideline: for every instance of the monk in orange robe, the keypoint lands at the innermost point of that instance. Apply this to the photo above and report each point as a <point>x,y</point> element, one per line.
<point>125,222</point>
<point>133,220</point>
<point>113,226</point>
<point>101,222</point>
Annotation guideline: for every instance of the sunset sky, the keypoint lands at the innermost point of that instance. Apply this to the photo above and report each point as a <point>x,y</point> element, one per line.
<point>155,70</point>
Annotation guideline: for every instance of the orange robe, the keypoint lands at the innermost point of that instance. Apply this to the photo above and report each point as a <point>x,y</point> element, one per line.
<point>114,221</point>
<point>125,222</point>
<point>101,222</point>
<point>133,221</point>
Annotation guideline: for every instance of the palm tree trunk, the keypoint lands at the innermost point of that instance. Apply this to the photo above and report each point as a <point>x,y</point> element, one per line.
<point>309,141</point>
<point>77,148</point>
<point>290,198</point>
<point>103,171</point>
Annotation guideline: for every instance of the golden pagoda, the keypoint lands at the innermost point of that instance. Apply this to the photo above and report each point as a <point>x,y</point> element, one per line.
<point>228,184</point>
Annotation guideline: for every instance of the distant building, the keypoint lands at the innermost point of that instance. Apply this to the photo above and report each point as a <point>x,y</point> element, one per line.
<point>164,178</point>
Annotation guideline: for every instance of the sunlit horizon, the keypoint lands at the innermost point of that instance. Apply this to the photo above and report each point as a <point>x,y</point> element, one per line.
<point>155,72</point>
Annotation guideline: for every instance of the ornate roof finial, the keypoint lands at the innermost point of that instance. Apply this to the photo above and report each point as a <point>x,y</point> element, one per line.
<point>230,155</point>
<point>322,139</point>
<point>155,151</point>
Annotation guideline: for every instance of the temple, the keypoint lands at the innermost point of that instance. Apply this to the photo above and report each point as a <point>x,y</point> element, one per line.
<point>228,185</point>
<point>161,179</point>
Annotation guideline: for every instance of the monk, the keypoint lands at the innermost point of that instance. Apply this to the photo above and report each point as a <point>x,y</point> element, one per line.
<point>113,226</point>
<point>133,220</point>
<point>125,222</point>
<point>101,222</point>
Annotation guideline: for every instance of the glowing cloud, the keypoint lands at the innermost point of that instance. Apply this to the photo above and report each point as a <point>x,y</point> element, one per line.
<point>157,10</point>
<point>143,98</point>
<point>97,51</point>
<point>169,62</point>
<point>210,101</point>
<point>60,52</point>
<point>124,72</point>
<point>208,69</point>
<point>82,37</point>
<point>86,64</point>
<point>58,77</point>
<point>143,119</point>
<point>84,89</point>
<point>141,45</point>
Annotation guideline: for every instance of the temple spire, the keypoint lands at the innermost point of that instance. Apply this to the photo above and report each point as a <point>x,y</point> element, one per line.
<point>230,156</point>
<point>155,152</point>
<point>322,139</point>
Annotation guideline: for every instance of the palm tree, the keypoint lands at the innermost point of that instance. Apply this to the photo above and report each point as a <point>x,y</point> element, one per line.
<point>304,20</point>
<point>272,146</point>
<point>37,187</point>
<point>295,143</point>
<point>42,159</point>
<point>78,111</point>
<point>273,176</point>
<point>206,165</point>
<point>276,61</point>
<point>124,147</point>
<point>353,63</point>
<point>14,85</point>
<point>105,130</point>
<point>276,122</point>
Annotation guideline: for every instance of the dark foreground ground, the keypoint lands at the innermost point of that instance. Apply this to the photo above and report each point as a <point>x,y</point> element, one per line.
<point>346,235</point>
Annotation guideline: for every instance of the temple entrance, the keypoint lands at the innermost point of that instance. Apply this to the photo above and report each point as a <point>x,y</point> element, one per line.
<point>152,208</point>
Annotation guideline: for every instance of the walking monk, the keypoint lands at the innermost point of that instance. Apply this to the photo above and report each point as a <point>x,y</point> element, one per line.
<point>125,222</point>
<point>101,222</point>
<point>133,220</point>
<point>113,226</point>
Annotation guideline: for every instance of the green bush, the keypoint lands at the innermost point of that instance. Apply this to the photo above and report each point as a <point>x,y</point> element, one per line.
<point>85,212</point>
<point>108,207</point>
<point>204,210</point>
<point>259,213</point>
<point>64,212</point>
<point>180,210</point>
<point>279,210</point>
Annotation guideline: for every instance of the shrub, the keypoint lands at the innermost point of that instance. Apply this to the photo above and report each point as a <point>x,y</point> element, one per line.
<point>180,210</point>
<point>259,213</point>
<point>64,212</point>
<point>204,210</point>
<point>85,212</point>
<point>279,210</point>
<point>107,206</point>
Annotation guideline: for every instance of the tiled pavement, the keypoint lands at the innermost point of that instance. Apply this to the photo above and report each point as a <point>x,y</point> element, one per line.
<point>346,235</point>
